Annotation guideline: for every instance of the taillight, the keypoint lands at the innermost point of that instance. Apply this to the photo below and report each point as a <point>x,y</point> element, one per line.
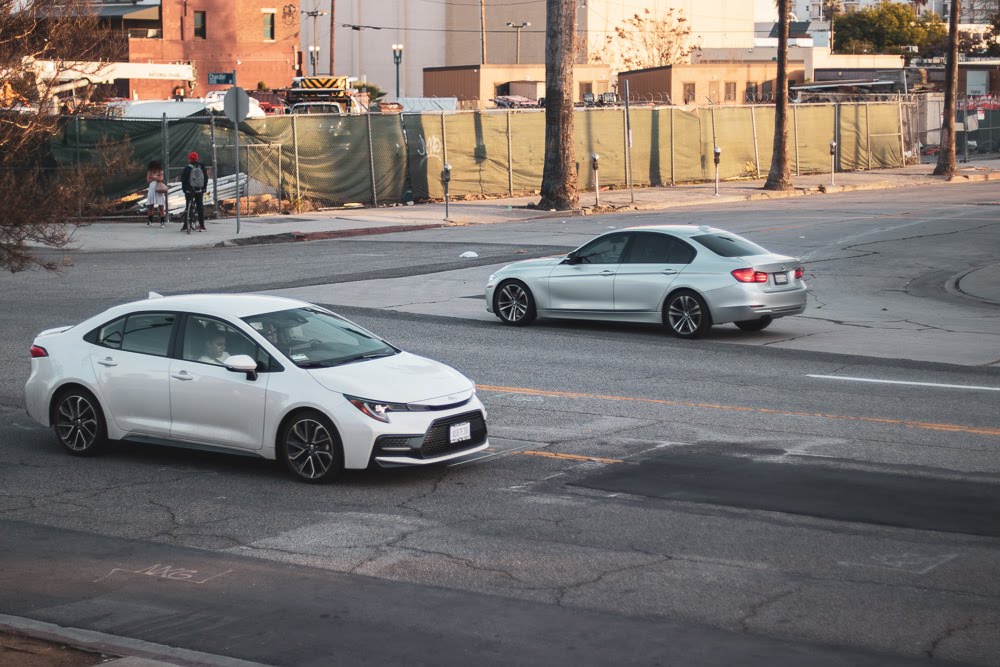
<point>799,272</point>
<point>38,351</point>
<point>748,275</point>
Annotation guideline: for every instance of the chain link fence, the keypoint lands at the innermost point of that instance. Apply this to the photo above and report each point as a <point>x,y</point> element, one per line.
<point>299,162</point>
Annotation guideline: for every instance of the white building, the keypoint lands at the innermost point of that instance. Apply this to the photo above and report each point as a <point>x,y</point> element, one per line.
<point>973,11</point>
<point>449,32</point>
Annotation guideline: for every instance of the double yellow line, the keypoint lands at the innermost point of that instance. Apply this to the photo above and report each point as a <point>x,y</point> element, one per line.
<point>928,426</point>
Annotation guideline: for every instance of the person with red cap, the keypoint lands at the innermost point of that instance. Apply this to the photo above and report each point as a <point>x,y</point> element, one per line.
<point>193,181</point>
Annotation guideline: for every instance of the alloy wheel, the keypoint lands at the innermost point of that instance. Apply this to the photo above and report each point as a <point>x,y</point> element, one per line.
<point>310,449</point>
<point>514,304</point>
<point>77,423</point>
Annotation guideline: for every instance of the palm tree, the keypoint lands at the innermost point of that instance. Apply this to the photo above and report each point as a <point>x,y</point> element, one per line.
<point>780,175</point>
<point>946,154</point>
<point>559,172</point>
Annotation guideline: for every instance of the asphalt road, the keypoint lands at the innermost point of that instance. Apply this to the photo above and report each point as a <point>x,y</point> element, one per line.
<point>746,498</point>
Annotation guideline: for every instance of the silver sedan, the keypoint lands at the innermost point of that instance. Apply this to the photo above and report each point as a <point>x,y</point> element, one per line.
<point>688,278</point>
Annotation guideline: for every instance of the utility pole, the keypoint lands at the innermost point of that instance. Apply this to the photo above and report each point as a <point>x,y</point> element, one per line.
<point>314,49</point>
<point>482,21</point>
<point>333,25</point>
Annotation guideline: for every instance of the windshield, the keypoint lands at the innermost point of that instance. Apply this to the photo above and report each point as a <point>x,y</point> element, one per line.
<point>313,338</point>
<point>729,245</point>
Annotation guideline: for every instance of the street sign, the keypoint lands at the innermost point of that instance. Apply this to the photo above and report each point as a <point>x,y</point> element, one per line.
<point>236,104</point>
<point>220,79</point>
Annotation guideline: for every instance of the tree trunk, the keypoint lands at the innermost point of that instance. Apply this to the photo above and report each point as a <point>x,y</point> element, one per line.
<point>559,173</point>
<point>780,175</point>
<point>946,153</point>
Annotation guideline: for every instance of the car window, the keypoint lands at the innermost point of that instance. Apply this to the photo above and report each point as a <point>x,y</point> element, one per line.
<point>314,338</point>
<point>727,245</point>
<point>604,250</point>
<point>147,333</point>
<point>658,248</point>
<point>211,341</point>
<point>108,335</point>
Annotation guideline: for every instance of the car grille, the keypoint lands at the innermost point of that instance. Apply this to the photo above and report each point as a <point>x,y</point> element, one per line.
<point>436,442</point>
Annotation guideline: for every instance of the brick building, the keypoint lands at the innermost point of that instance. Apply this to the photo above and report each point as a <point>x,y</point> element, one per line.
<point>258,39</point>
<point>708,83</point>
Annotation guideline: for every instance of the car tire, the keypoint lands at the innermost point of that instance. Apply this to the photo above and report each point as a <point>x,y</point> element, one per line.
<point>755,325</point>
<point>78,422</point>
<point>310,448</point>
<point>514,304</point>
<point>686,314</point>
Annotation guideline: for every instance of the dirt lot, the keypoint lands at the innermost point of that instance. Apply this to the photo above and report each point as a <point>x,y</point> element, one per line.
<point>20,651</point>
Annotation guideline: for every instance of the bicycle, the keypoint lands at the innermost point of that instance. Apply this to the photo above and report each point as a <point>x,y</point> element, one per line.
<point>190,215</point>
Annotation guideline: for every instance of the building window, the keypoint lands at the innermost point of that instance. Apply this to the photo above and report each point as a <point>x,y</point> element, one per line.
<point>689,94</point>
<point>751,91</point>
<point>730,91</point>
<point>586,88</point>
<point>268,16</point>
<point>199,25</point>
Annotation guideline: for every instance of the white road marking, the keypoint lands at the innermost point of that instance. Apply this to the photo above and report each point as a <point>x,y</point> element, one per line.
<point>918,384</point>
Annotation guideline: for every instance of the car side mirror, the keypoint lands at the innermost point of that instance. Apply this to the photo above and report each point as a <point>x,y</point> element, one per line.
<point>571,259</point>
<point>242,363</point>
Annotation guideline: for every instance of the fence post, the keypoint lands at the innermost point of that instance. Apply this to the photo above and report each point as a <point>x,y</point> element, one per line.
<point>715,144</point>
<point>510,161</point>
<point>672,138</point>
<point>444,150</point>
<point>625,146</point>
<point>166,164</point>
<point>756,153</point>
<point>79,201</point>
<point>371,158</point>
<point>215,171</point>
<point>281,179</point>
<point>795,129</point>
<point>295,150</point>
<point>868,137</point>
<point>628,144</point>
<point>902,143</point>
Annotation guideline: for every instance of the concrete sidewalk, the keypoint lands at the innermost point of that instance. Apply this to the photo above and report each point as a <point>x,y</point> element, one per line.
<point>332,223</point>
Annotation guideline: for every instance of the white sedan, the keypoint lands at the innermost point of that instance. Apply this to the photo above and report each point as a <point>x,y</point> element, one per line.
<point>686,277</point>
<point>257,375</point>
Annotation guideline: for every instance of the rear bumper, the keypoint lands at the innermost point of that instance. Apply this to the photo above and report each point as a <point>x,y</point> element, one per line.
<point>741,303</point>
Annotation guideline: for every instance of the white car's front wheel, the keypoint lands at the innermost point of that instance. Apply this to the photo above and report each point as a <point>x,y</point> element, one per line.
<point>310,448</point>
<point>514,304</point>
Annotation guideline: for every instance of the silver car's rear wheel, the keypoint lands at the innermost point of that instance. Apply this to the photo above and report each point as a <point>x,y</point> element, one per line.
<point>687,315</point>
<point>513,303</point>
<point>311,449</point>
<point>79,423</point>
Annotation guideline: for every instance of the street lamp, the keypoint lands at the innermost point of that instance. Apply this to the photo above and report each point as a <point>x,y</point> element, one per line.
<point>518,27</point>
<point>397,57</point>
<point>314,50</point>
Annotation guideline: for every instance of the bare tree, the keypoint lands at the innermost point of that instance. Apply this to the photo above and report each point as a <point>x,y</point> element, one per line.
<point>946,154</point>
<point>646,40</point>
<point>38,40</point>
<point>559,172</point>
<point>780,175</point>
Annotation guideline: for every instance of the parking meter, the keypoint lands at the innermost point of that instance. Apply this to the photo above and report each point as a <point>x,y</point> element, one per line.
<point>594,157</point>
<point>833,161</point>
<point>717,152</point>
<point>446,179</point>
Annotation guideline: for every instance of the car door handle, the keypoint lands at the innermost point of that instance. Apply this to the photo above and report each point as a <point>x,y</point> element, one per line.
<point>606,273</point>
<point>183,375</point>
<point>107,361</point>
<point>669,272</point>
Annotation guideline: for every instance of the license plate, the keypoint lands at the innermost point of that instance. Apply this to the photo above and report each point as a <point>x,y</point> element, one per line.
<point>780,278</point>
<point>460,432</point>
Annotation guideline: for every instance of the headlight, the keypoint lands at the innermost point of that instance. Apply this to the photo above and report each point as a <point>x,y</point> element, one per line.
<point>491,280</point>
<point>378,410</point>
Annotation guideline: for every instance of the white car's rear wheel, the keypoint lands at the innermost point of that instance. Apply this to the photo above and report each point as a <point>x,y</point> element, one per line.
<point>514,304</point>
<point>310,448</point>
<point>79,423</point>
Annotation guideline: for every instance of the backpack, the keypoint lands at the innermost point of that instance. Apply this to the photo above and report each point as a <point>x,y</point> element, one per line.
<point>196,179</point>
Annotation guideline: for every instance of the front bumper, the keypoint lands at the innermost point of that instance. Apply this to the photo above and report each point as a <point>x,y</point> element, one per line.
<point>434,445</point>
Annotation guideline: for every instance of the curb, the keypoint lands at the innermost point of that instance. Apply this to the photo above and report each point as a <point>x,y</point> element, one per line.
<point>291,237</point>
<point>112,645</point>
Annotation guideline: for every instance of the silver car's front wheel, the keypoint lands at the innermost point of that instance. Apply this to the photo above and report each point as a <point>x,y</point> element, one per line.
<point>311,448</point>
<point>513,303</point>
<point>687,315</point>
<point>79,423</point>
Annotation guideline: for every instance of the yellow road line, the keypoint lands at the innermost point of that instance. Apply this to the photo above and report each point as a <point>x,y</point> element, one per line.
<point>929,426</point>
<point>567,457</point>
